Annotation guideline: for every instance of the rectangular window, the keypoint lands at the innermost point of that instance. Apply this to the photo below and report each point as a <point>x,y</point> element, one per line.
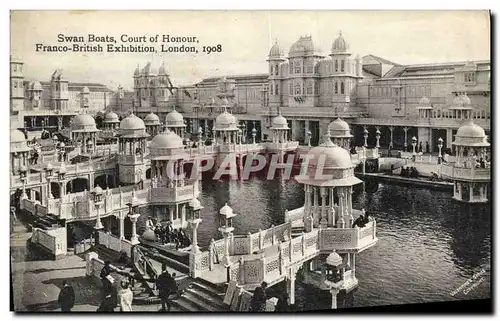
<point>297,89</point>
<point>297,68</point>
<point>276,70</point>
<point>309,68</point>
<point>336,66</point>
<point>276,90</point>
<point>342,65</point>
<point>271,90</point>
<point>309,89</point>
<point>336,88</point>
<point>291,67</point>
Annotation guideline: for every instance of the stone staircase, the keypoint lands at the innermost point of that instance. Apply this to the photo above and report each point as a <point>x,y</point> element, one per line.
<point>46,222</point>
<point>202,296</point>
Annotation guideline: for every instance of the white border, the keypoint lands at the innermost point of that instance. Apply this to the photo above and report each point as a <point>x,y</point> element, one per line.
<point>187,4</point>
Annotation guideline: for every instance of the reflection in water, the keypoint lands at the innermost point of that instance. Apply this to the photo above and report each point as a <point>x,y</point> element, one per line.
<point>429,245</point>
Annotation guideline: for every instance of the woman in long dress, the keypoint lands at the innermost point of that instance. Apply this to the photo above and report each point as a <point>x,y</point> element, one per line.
<point>125,297</point>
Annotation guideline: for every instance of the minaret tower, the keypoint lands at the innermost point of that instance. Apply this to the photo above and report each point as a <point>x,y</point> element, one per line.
<point>16,84</point>
<point>274,60</point>
<point>344,72</point>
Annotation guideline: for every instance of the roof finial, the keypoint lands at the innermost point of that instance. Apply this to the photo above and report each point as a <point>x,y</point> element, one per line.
<point>340,33</point>
<point>275,41</point>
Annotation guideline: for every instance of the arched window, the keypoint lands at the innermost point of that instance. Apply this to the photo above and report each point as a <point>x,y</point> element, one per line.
<point>298,67</point>
<point>342,88</point>
<point>316,88</point>
<point>336,87</point>
<point>271,70</point>
<point>276,70</point>
<point>276,90</point>
<point>342,65</point>
<point>271,90</point>
<point>310,68</point>
<point>336,65</point>
<point>297,89</point>
<point>309,88</point>
<point>291,67</point>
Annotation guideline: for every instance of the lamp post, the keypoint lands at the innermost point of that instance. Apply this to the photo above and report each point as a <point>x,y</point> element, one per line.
<point>55,141</point>
<point>226,229</point>
<point>334,263</point>
<point>98,200</point>
<point>309,135</point>
<point>377,136</point>
<point>254,133</point>
<point>194,220</point>
<point>132,206</point>
<point>48,175</point>
<point>200,134</point>
<point>244,130</point>
<point>60,176</point>
<point>414,144</point>
<point>365,135</point>
<point>23,176</point>
<point>440,146</point>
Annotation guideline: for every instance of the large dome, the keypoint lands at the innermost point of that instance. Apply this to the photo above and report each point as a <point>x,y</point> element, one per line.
<point>470,134</point>
<point>303,47</point>
<point>132,122</point>
<point>334,157</point>
<point>174,119</point>
<point>339,128</point>
<point>226,121</point>
<point>166,140</point>
<point>280,122</point>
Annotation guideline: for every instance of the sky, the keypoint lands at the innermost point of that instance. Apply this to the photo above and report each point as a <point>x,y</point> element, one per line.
<point>405,37</point>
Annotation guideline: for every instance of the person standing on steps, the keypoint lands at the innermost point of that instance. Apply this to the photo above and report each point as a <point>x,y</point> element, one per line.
<point>66,297</point>
<point>106,278</point>
<point>163,284</point>
<point>125,297</point>
<point>258,303</point>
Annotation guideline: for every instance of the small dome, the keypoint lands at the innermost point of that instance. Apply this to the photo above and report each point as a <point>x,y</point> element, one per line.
<point>470,134</point>
<point>98,190</point>
<point>166,140</point>
<point>132,122</point>
<point>14,58</point>
<point>275,51</point>
<point>82,120</point>
<point>425,102</point>
<point>226,121</point>
<point>149,235</point>
<point>280,122</point>
<point>162,70</point>
<point>302,47</point>
<point>458,102</point>
<point>470,130</point>
<point>466,100</point>
<point>226,210</point>
<point>340,45</point>
<point>174,118</point>
<point>194,203</point>
<point>334,259</point>
<point>17,136</point>
<point>152,119</point>
<point>36,86</point>
<point>86,90</point>
<point>339,128</point>
<point>111,117</point>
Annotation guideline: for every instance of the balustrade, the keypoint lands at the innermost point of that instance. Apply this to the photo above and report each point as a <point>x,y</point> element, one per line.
<point>453,172</point>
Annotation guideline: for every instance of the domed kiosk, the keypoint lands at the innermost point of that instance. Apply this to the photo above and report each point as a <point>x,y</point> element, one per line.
<point>84,131</point>
<point>175,122</point>
<point>19,150</point>
<point>471,171</point>
<point>225,129</point>
<point>340,133</point>
<point>171,189</point>
<point>131,149</point>
<point>152,123</point>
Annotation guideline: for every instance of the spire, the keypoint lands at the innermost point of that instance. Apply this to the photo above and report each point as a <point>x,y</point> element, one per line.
<point>340,33</point>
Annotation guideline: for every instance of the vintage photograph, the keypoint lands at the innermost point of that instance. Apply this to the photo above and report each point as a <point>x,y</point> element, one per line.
<point>250,161</point>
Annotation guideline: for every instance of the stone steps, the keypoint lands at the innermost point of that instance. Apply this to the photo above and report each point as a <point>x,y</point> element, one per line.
<point>203,296</point>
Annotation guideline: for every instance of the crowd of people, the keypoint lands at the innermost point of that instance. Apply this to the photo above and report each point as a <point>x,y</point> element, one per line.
<point>411,172</point>
<point>165,234</point>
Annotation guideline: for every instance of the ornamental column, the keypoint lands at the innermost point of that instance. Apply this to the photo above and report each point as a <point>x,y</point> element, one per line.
<point>122,227</point>
<point>406,137</point>
<point>323,222</point>
<point>135,238</point>
<point>391,144</point>
<point>290,286</point>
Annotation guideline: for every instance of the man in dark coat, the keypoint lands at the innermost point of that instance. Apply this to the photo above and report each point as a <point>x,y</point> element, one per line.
<point>258,303</point>
<point>105,273</point>
<point>66,297</point>
<point>107,305</point>
<point>163,284</point>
